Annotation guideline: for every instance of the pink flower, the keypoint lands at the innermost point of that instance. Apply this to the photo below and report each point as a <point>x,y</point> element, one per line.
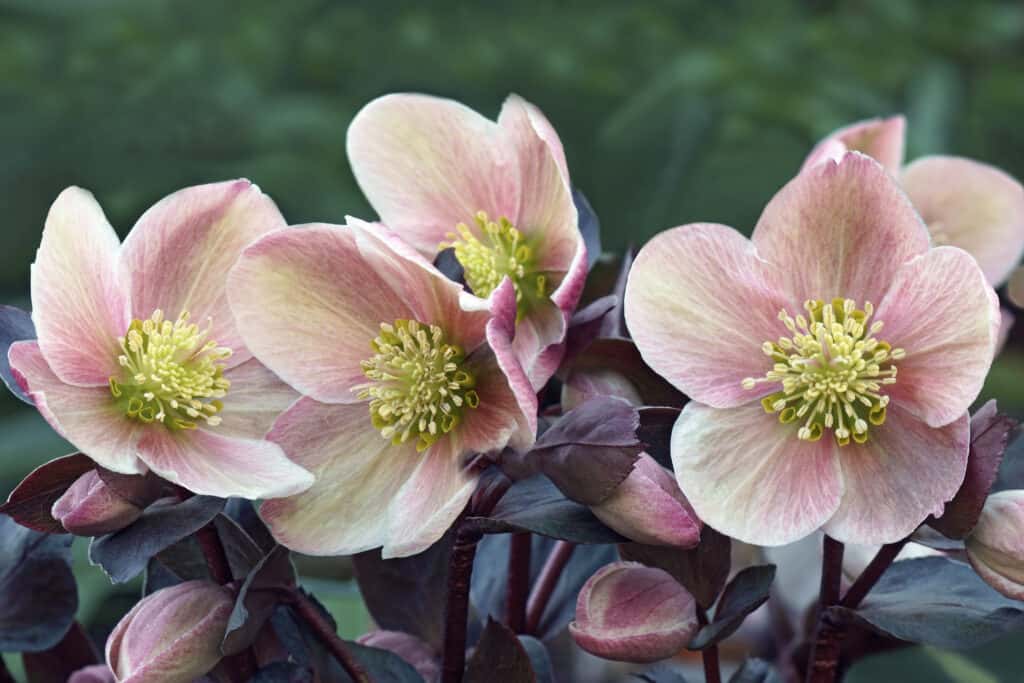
<point>440,174</point>
<point>965,203</point>
<point>405,375</point>
<point>995,547</point>
<point>138,362</point>
<point>91,508</point>
<point>831,359</point>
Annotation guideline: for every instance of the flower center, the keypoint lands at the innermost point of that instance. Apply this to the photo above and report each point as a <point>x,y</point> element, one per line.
<point>499,251</point>
<point>172,373</point>
<point>419,386</point>
<point>832,370</point>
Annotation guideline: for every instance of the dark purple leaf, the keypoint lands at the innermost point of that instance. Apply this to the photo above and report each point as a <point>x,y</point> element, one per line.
<point>138,489</point>
<point>756,671</point>
<point>55,665</point>
<point>702,570</point>
<point>589,225</point>
<point>31,501</point>
<point>499,656</point>
<point>257,599</point>
<point>622,356</point>
<point>587,453</point>
<point>661,673</point>
<point>244,513</point>
<point>183,561</point>
<point>242,552</point>
<point>656,433</point>
<point>15,325</point>
<point>585,326</point>
<point>540,659</point>
<point>745,593</point>
<point>284,672</point>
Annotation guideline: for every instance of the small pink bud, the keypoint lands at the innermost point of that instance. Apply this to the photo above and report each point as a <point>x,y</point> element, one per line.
<point>633,613</point>
<point>91,508</point>
<point>648,507</point>
<point>97,673</point>
<point>414,651</point>
<point>995,547</point>
<point>582,385</point>
<point>171,636</point>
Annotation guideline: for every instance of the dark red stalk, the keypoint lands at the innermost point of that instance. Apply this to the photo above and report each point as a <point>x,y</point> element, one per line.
<point>518,580</point>
<point>824,660</point>
<point>310,613</point>
<point>872,573</point>
<point>546,583</point>
<point>709,655</point>
<point>460,571</point>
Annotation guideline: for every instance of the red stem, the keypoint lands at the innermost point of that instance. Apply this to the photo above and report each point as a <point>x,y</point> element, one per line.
<point>872,573</point>
<point>546,582</point>
<point>460,571</point>
<point>520,546</point>
<point>709,655</point>
<point>824,660</point>
<point>310,613</point>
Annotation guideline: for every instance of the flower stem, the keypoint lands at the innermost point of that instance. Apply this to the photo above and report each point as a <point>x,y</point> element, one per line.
<point>460,571</point>
<point>520,546</point>
<point>872,573</point>
<point>546,582</point>
<point>824,660</point>
<point>310,613</point>
<point>709,655</point>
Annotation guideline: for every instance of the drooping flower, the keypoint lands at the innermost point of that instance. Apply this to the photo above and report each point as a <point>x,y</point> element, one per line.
<point>138,362</point>
<point>995,547</point>
<point>404,376</point>
<point>965,203</point>
<point>497,193</point>
<point>831,359</point>
<point>92,508</point>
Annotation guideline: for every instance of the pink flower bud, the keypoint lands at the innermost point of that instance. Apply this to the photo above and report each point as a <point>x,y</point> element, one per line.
<point>633,613</point>
<point>995,547</point>
<point>97,673</point>
<point>585,384</point>
<point>171,636</point>
<point>414,651</point>
<point>648,507</point>
<point>91,508</point>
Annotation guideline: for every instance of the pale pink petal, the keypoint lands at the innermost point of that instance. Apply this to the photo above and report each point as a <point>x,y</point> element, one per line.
<point>212,464</point>
<point>904,472</point>
<point>180,251</point>
<point>538,342</point>
<point>85,416</point>
<point>256,398</point>
<point>942,312</point>
<point>970,205</point>
<point>430,500</point>
<point>840,230</point>
<point>79,300</point>
<point>358,473</point>
<point>543,128</point>
<point>750,477</point>
<point>982,561</point>
<point>881,139</point>
<point>427,164</point>
<point>1006,320</point>
<point>699,304</point>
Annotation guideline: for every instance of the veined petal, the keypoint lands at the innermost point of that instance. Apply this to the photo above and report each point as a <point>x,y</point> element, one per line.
<point>256,398</point>
<point>750,477</point>
<point>358,473</point>
<point>945,316</point>
<point>840,230</point>
<point>427,164</point>
<point>85,416</point>
<point>212,464</point>
<point>970,205</point>
<point>904,472</point>
<point>881,139</point>
<point>79,299</point>
<point>180,251</point>
<point>699,304</point>
<point>542,127</point>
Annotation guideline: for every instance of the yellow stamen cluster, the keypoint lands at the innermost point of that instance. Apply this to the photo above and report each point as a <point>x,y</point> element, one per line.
<point>832,369</point>
<point>499,251</point>
<point>419,386</point>
<point>172,373</point>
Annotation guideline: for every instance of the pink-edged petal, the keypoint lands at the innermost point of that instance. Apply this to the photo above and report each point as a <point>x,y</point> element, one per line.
<point>970,205</point>
<point>430,500</point>
<point>750,477</point>
<point>542,127</point>
<point>79,299</point>
<point>538,342</point>
<point>881,139</point>
<point>85,416</point>
<point>212,464</point>
<point>904,472</point>
<point>357,471</point>
<point>1006,320</point>
<point>256,398</point>
<point>943,313</point>
<point>180,251</point>
<point>840,230</point>
<point>427,164</point>
<point>699,304</point>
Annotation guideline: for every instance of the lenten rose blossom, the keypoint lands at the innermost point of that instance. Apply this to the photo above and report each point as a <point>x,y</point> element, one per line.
<point>441,175</point>
<point>995,547</point>
<point>404,375</point>
<point>831,359</point>
<point>138,362</point>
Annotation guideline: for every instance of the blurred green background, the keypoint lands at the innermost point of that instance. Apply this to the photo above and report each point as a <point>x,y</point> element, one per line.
<point>670,112</point>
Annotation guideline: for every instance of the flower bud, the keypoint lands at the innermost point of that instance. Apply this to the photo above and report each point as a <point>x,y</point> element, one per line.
<point>995,547</point>
<point>414,651</point>
<point>171,636</point>
<point>97,673</point>
<point>633,613</point>
<point>648,507</point>
<point>92,508</point>
<point>584,384</point>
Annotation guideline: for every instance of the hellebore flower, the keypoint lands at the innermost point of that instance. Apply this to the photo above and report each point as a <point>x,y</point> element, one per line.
<point>405,375</point>
<point>633,613</point>
<point>831,359</point>
<point>648,507</point>
<point>172,635</point>
<point>443,176</point>
<point>121,370</point>
<point>965,203</point>
<point>995,547</point>
<point>97,673</point>
<point>91,508</point>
